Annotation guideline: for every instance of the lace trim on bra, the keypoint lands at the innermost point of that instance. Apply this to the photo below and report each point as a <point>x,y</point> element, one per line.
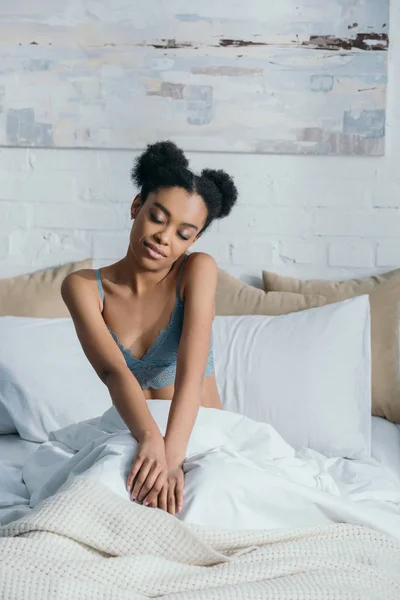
<point>160,336</point>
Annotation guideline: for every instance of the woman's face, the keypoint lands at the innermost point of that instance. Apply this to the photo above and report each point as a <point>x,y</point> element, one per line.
<point>165,226</point>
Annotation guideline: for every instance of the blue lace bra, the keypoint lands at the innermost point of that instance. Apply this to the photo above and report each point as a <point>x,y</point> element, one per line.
<point>157,368</point>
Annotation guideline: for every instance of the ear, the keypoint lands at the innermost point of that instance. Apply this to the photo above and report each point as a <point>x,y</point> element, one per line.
<point>135,206</point>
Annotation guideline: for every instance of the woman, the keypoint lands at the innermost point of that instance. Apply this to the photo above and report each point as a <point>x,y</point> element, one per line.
<point>145,322</point>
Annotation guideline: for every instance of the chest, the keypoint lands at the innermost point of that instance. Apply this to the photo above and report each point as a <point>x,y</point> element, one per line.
<point>140,323</point>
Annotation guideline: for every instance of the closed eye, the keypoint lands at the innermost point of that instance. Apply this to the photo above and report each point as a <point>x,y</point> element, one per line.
<point>155,219</point>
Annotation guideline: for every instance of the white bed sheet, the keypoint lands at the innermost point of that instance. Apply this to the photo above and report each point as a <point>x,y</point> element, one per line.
<point>13,448</point>
<point>385,445</point>
<point>14,496</point>
<point>239,474</point>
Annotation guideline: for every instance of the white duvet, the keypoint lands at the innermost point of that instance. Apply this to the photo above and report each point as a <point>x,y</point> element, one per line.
<point>239,474</point>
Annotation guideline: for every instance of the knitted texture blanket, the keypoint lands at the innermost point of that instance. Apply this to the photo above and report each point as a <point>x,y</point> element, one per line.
<point>87,543</point>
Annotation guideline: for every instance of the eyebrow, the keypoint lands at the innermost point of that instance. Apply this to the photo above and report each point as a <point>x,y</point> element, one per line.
<point>166,211</point>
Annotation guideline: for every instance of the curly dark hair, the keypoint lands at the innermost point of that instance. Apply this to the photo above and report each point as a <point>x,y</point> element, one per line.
<point>164,165</point>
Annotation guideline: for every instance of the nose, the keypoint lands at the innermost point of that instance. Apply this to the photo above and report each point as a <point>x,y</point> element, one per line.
<point>162,237</point>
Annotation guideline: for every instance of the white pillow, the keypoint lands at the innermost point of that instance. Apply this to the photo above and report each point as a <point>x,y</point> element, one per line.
<point>385,444</point>
<point>46,381</point>
<point>308,374</point>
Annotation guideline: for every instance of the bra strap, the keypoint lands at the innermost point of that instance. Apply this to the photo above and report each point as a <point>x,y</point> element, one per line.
<point>99,284</point>
<point>178,285</point>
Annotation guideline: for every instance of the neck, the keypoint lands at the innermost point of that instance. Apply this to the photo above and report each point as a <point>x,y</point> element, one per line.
<point>129,272</point>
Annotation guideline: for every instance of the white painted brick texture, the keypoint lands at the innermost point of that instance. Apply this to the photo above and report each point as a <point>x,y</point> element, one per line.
<point>299,215</point>
<point>80,216</point>
<point>303,252</point>
<point>258,253</point>
<point>351,254</point>
<point>388,254</point>
<point>4,246</point>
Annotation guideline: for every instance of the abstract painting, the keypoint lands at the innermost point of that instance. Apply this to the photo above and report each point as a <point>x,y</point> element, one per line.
<point>287,76</point>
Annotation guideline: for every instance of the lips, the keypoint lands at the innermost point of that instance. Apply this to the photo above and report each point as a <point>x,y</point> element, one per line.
<point>153,251</point>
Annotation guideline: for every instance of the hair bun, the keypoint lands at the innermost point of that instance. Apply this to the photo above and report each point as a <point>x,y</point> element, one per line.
<point>157,158</point>
<point>226,187</point>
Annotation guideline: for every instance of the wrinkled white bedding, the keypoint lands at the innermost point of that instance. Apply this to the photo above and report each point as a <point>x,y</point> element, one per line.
<point>239,474</point>
<point>15,449</point>
<point>14,497</point>
<point>87,543</point>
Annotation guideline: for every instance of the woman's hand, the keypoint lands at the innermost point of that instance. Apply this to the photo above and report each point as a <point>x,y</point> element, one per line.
<point>149,469</point>
<point>170,498</point>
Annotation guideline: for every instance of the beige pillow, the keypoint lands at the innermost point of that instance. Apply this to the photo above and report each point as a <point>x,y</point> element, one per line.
<point>236,298</point>
<point>339,290</point>
<point>384,293</point>
<point>37,294</point>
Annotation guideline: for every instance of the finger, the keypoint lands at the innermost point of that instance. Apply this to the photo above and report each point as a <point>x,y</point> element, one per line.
<point>162,498</point>
<point>156,488</point>
<point>153,504</point>
<point>171,499</point>
<point>158,497</point>
<point>141,478</point>
<point>133,472</point>
<point>149,483</point>
<point>179,497</point>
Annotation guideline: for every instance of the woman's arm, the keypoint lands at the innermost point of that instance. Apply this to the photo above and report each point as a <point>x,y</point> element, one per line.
<point>199,288</point>
<point>149,469</point>
<point>81,297</point>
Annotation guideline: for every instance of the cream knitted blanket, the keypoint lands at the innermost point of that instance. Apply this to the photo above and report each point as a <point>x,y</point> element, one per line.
<point>87,543</point>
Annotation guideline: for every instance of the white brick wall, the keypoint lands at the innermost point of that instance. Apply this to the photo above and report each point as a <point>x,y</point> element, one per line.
<point>303,215</point>
<point>357,254</point>
<point>388,254</point>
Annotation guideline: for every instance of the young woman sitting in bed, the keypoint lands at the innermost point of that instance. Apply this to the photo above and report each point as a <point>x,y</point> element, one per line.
<point>145,322</point>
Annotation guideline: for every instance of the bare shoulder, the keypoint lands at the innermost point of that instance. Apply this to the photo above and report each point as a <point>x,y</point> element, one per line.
<point>78,285</point>
<point>199,277</point>
<point>77,279</point>
<point>200,265</point>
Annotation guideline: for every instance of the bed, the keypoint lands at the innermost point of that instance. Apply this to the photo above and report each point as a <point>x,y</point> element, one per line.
<point>201,562</point>
<point>291,490</point>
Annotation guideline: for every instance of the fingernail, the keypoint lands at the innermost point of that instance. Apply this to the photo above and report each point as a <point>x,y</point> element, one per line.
<point>145,503</point>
